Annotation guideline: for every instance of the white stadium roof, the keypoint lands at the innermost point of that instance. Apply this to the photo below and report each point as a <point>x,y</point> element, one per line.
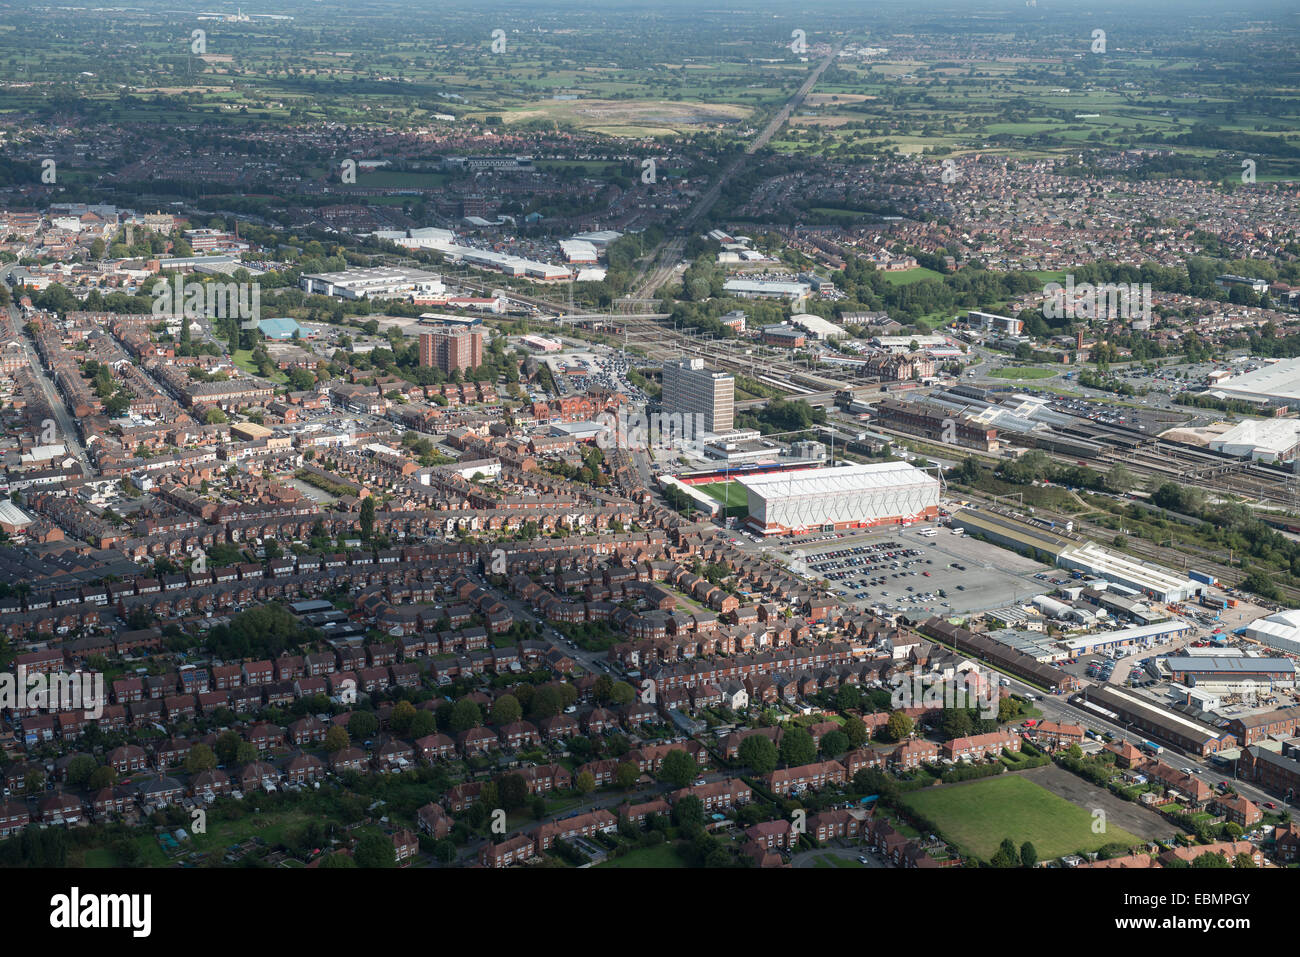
<point>844,478</point>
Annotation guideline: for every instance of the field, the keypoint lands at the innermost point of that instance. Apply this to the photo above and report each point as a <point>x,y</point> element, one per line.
<point>979,815</point>
<point>662,856</point>
<point>1026,372</point>
<point>629,118</point>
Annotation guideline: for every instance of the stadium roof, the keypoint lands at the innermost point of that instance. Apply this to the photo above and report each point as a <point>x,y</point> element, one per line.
<point>845,478</point>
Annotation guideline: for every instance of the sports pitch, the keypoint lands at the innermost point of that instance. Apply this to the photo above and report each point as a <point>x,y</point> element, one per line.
<point>977,816</point>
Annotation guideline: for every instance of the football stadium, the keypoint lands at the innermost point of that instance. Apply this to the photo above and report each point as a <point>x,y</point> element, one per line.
<point>831,499</point>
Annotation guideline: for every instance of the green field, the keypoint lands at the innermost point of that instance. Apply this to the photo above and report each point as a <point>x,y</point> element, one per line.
<point>979,815</point>
<point>734,499</point>
<point>909,276</point>
<point>1025,372</point>
<point>661,856</point>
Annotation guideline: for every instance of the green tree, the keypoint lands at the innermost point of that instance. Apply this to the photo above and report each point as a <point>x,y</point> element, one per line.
<point>899,727</point>
<point>466,715</point>
<point>375,850</point>
<point>336,739</point>
<point>1028,855</point>
<point>367,519</point>
<point>758,753</point>
<point>1006,854</point>
<point>200,758</point>
<point>506,710</point>
<point>834,743</point>
<point>362,725</point>
<point>797,747</point>
<point>626,774</point>
<point>678,768</point>
<point>584,783</point>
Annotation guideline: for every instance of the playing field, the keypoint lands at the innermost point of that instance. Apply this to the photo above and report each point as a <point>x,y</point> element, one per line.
<point>1025,372</point>
<point>979,815</point>
<point>728,493</point>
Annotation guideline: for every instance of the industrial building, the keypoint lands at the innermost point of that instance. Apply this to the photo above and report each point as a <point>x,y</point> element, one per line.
<point>767,289</point>
<point>817,327</point>
<point>1149,718</point>
<point>380,282</point>
<point>691,388</point>
<point>851,496</point>
<point>1280,630</point>
<point>1276,382</point>
<point>1059,545</point>
<point>936,424</point>
<point>1232,674</point>
<point>1261,440</point>
<point>1139,636</point>
<point>991,322</point>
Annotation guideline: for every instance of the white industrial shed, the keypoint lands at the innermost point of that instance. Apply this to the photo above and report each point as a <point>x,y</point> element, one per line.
<point>849,496</point>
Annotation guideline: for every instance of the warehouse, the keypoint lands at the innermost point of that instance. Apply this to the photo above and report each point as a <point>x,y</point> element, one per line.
<point>851,496</point>
<point>1151,580</point>
<point>1140,636</point>
<point>1232,674</point>
<point>1275,382</point>
<point>1280,630</point>
<point>380,282</point>
<point>1160,723</point>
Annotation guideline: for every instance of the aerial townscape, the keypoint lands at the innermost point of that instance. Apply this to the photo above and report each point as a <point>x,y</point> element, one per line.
<point>573,435</point>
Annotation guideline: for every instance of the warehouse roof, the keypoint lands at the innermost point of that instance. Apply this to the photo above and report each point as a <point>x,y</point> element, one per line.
<point>1230,664</point>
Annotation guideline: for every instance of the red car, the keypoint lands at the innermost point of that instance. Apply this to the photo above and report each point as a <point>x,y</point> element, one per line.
<point>1270,805</point>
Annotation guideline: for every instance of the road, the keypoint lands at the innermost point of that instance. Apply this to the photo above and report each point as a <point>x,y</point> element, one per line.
<point>68,433</point>
<point>1057,708</point>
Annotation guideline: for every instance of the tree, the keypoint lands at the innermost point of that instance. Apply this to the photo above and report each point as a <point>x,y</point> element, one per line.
<point>215,416</point>
<point>336,739</point>
<point>689,811</point>
<point>1028,855</point>
<point>423,724</point>
<point>102,777</point>
<point>758,753</point>
<point>362,725</point>
<point>227,746</point>
<point>584,783</point>
<point>856,732</point>
<point>367,519</point>
<point>835,742</point>
<point>678,768</point>
<point>506,710</point>
<point>402,716</point>
<point>626,774</point>
<point>466,715</point>
<point>848,697</point>
<point>1006,854</point>
<point>797,747</point>
<point>899,726</point>
<point>246,753</point>
<point>200,758</point>
<point>375,850</point>
<point>512,791</point>
<point>80,769</point>
<point>338,859</point>
<point>622,693</point>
